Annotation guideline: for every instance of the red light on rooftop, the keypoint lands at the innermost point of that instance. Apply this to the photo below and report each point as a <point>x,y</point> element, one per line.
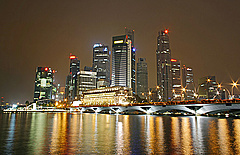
<point>53,71</point>
<point>72,57</point>
<point>46,69</point>
<point>166,31</point>
<point>173,60</point>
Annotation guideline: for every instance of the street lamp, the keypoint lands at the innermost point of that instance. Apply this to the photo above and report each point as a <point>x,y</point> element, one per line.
<point>229,94</point>
<point>234,84</point>
<point>149,95</point>
<point>183,93</point>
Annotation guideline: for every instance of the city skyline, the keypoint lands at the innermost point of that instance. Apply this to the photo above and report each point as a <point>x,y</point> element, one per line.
<point>45,34</point>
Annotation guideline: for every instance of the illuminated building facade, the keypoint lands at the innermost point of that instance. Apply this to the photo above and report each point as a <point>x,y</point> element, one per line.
<point>71,81</point>
<point>87,80</point>
<point>153,95</point>
<point>188,83</point>
<point>176,80</point>
<point>44,88</point>
<point>60,93</point>
<point>207,87</point>
<point>164,73</point>
<point>101,64</point>
<point>142,78</point>
<point>108,96</point>
<point>123,60</point>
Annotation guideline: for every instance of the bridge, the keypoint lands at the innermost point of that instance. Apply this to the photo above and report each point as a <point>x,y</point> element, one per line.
<point>191,108</point>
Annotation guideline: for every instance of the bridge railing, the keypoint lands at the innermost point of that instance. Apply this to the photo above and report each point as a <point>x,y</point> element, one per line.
<point>205,101</point>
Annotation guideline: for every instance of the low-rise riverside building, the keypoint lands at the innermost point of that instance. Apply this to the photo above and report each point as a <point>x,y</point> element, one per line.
<point>117,95</point>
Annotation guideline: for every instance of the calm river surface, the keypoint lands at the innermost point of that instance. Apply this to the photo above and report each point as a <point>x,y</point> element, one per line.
<point>74,133</point>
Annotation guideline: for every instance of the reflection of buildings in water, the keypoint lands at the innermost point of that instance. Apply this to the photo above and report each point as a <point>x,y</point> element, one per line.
<point>175,135</point>
<point>37,132</point>
<point>160,132</point>
<point>73,133</point>
<point>97,134</point>
<point>54,144</point>
<point>213,147</point>
<point>59,139</point>
<point>155,142</point>
<point>148,136</point>
<point>119,138</point>
<point>126,133</point>
<point>236,123</point>
<point>186,137</point>
<point>122,134</point>
<point>198,138</point>
<point>224,137</point>
<point>11,132</point>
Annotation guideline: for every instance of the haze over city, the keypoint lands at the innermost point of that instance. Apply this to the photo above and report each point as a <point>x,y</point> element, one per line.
<point>39,33</point>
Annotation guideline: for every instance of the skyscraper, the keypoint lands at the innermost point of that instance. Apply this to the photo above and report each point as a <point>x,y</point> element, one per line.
<point>123,60</point>
<point>188,83</point>
<point>44,88</point>
<point>176,79</point>
<point>72,80</point>
<point>86,80</point>
<point>142,78</point>
<point>164,73</point>
<point>207,87</point>
<point>101,64</point>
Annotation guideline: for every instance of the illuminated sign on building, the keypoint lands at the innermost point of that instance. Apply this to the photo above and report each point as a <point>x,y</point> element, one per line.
<point>173,60</point>
<point>97,45</point>
<point>118,41</point>
<point>72,57</point>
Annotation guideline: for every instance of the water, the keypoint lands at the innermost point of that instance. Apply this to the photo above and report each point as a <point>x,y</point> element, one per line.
<point>65,133</point>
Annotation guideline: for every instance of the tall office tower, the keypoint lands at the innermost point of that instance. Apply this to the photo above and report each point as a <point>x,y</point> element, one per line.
<point>164,73</point>
<point>123,60</point>
<point>101,64</point>
<point>207,87</point>
<point>142,78</point>
<point>44,88</point>
<point>86,80</point>
<point>187,83</point>
<point>176,80</point>
<point>72,80</point>
<point>60,93</point>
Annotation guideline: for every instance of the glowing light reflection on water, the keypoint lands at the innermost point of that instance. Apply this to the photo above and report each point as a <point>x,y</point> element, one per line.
<point>62,133</point>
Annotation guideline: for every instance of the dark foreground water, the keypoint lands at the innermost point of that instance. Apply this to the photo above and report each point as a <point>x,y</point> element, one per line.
<point>62,133</point>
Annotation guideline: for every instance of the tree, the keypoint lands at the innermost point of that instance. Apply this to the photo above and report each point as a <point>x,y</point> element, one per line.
<point>27,103</point>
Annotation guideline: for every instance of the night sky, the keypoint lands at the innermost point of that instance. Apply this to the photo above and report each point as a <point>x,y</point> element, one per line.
<point>204,35</point>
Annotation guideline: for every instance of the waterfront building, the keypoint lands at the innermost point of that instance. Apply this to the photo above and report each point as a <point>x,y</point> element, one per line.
<point>176,80</point>
<point>44,87</point>
<point>101,64</point>
<point>207,87</point>
<point>60,93</point>
<point>108,96</point>
<point>142,78</point>
<point>164,73</point>
<point>87,81</point>
<point>71,80</point>
<point>123,60</point>
<point>187,83</point>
